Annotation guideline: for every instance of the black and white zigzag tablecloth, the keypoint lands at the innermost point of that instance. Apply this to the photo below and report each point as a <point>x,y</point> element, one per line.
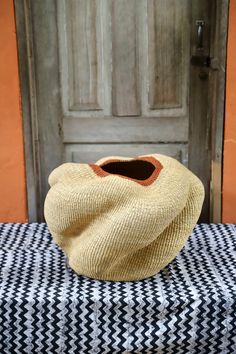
<point>189,307</point>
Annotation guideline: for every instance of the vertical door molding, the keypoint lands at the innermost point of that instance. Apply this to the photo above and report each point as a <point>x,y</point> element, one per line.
<point>217,106</point>
<point>39,77</point>
<point>199,120</point>
<point>28,102</point>
<point>207,87</point>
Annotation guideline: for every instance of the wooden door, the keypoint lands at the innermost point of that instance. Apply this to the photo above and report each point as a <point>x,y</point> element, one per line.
<point>113,77</point>
<point>124,77</point>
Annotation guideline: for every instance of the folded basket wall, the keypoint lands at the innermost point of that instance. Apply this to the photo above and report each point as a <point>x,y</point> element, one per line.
<point>122,218</point>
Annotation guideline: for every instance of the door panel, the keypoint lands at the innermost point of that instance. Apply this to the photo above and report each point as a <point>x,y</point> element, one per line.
<point>125,129</point>
<point>124,77</point>
<point>130,63</point>
<point>93,152</point>
<point>84,57</point>
<point>113,77</point>
<point>168,54</point>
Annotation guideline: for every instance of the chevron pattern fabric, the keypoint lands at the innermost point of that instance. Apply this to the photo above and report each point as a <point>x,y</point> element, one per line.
<point>189,307</point>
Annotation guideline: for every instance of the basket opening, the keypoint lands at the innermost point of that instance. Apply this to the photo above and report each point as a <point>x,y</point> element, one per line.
<point>134,169</point>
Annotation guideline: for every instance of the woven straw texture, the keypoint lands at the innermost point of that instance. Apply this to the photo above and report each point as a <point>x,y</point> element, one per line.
<point>122,225</point>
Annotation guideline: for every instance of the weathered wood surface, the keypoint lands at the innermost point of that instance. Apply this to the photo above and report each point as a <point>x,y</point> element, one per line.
<point>125,129</point>
<point>85,153</point>
<point>115,76</point>
<point>200,121</point>
<point>216,106</point>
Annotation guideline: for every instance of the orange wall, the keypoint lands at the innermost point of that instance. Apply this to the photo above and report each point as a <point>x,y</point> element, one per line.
<point>229,166</point>
<point>12,173</point>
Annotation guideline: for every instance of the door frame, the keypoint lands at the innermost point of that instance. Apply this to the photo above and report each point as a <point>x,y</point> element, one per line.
<point>217,108</point>
<point>31,124</point>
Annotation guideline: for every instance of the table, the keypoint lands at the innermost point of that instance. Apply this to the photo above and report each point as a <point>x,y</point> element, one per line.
<point>188,307</point>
